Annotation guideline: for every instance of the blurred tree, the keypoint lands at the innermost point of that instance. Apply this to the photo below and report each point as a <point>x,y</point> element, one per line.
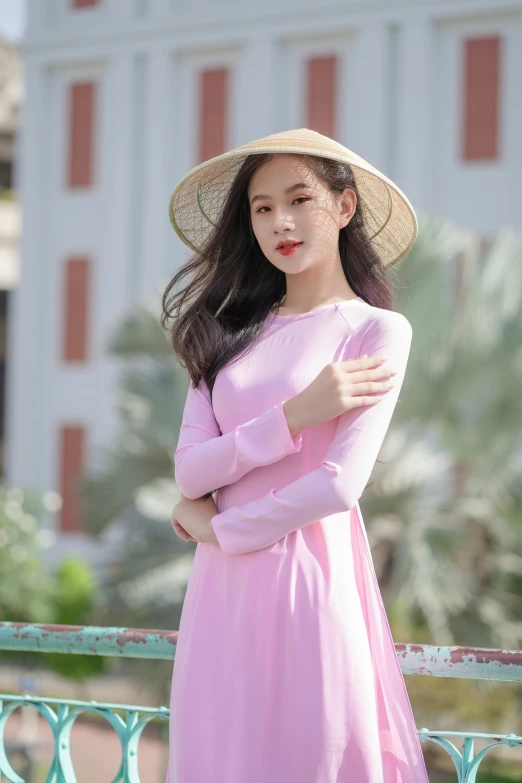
<point>445,504</point>
<point>26,589</point>
<point>74,598</point>
<point>132,491</point>
<point>31,593</point>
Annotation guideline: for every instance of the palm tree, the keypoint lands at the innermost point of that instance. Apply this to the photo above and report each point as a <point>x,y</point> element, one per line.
<point>445,511</point>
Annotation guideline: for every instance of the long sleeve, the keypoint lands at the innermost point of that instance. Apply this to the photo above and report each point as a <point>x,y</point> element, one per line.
<point>338,483</point>
<point>206,460</point>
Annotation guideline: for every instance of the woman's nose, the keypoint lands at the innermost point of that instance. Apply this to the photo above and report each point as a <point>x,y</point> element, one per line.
<point>283,221</point>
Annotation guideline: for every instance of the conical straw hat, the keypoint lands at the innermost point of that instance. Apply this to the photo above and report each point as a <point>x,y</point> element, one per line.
<point>197,200</point>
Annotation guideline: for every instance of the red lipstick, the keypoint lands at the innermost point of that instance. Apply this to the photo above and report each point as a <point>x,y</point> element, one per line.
<point>288,250</point>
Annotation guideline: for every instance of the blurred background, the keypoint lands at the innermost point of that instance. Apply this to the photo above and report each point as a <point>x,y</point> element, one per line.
<point>104,106</point>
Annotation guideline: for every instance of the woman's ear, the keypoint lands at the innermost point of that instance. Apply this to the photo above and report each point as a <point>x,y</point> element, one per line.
<point>347,207</point>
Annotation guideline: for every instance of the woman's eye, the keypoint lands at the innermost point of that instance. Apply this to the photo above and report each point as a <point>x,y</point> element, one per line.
<point>299,198</point>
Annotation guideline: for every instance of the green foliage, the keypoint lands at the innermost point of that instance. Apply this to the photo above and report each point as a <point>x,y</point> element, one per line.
<point>74,598</point>
<point>26,593</point>
<point>75,588</point>
<point>29,592</point>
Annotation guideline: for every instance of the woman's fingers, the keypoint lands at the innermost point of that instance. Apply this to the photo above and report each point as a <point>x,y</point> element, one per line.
<point>358,376</point>
<point>371,388</point>
<point>180,531</point>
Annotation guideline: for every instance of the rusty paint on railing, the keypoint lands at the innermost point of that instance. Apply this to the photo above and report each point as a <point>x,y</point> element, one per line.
<point>471,662</point>
<point>88,640</point>
<point>477,663</point>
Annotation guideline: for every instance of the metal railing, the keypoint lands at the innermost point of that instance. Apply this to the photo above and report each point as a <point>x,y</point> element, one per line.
<point>60,714</point>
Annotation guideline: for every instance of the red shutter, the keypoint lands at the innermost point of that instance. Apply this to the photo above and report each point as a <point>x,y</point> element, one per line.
<point>481,98</point>
<point>213,125</point>
<point>75,322</point>
<point>72,454</point>
<point>321,95</point>
<point>84,3</point>
<point>82,98</point>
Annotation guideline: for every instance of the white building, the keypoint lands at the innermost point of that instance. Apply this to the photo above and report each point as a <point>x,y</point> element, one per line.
<point>11,97</point>
<point>124,96</point>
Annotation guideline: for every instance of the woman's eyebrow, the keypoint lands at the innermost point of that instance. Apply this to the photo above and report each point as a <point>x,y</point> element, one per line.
<point>297,186</point>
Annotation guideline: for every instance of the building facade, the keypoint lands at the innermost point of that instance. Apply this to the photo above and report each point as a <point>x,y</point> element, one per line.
<point>11,97</point>
<point>123,97</point>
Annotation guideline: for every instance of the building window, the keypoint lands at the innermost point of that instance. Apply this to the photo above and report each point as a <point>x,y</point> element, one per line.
<point>82,98</point>
<point>481,98</point>
<point>213,115</point>
<point>321,80</point>
<point>84,3</point>
<point>72,454</point>
<point>76,296</point>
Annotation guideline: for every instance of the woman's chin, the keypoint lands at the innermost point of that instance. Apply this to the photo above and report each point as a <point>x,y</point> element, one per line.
<point>291,264</point>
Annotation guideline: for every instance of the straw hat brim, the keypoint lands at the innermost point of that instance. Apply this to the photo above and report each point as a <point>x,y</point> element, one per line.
<point>196,203</point>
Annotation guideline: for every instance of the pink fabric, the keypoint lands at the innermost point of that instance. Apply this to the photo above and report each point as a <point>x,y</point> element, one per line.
<point>285,668</point>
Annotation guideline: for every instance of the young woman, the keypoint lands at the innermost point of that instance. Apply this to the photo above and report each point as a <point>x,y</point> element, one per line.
<point>285,668</point>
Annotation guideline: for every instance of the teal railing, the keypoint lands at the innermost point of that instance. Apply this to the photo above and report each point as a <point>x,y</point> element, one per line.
<point>60,714</point>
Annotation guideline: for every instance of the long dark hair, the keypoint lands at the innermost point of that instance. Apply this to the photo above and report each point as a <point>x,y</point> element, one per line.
<point>233,287</point>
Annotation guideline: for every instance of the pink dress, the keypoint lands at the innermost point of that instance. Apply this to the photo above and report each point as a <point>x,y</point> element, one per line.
<point>285,668</point>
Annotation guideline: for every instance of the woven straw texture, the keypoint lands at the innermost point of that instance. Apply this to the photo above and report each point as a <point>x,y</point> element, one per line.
<point>197,201</point>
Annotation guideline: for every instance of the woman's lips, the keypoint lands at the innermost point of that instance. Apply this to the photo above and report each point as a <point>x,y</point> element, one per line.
<point>287,251</point>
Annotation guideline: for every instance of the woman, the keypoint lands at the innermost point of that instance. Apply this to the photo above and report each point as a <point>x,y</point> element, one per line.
<point>285,668</point>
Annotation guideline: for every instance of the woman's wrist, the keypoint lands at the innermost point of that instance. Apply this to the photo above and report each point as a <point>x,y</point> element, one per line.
<point>293,420</point>
<point>210,534</point>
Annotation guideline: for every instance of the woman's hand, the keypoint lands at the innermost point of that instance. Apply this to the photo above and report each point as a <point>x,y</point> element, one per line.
<point>191,519</point>
<point>339,387</point>
<point>180,531</point>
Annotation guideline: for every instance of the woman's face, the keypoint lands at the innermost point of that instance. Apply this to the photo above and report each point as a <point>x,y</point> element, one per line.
<point>290,203</point>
